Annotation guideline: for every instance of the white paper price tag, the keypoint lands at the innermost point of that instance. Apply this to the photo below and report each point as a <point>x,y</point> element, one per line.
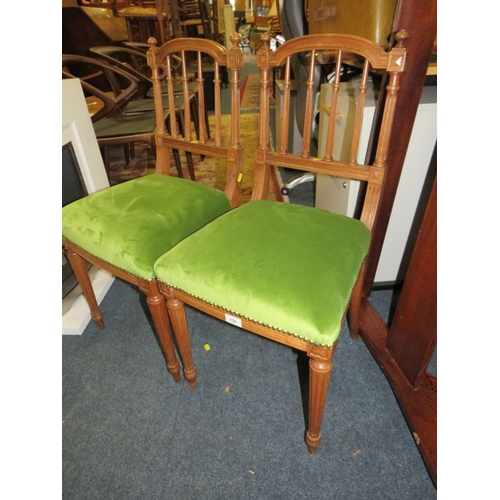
<point>234,321</point>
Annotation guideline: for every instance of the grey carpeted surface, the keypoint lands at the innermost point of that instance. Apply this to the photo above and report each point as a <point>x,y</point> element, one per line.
<point>130,432</point>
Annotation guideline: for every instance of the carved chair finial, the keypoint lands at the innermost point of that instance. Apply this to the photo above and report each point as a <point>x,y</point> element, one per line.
<point>235,39</point>
<point>401,37</point>
<point>152,42</point>
<point>266,39</point>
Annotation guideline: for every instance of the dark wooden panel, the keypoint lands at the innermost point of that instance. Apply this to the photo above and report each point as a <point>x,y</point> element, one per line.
<point>85,27</point>
<point>412,336</point>
<point>404,351</point>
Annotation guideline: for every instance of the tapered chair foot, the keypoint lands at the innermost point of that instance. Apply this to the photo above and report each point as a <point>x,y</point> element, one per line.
<point>312,443</point>
<point>98,320</point>
<point>175,371</point>
<point>191,377</point>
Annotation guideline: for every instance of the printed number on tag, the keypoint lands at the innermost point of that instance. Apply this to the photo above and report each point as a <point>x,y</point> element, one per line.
<point>234,321</point>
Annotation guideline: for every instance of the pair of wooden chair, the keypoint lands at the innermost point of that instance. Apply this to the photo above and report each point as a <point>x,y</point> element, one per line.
<point>183,243</point>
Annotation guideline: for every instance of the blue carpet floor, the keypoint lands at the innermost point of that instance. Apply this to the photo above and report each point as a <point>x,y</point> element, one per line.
<point>130,432</point>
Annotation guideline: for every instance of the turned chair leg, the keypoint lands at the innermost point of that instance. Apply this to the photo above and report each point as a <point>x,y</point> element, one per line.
<point>320,368</point>
<point>80,269</point>
<point>156,304</point>
<point>177,314</point>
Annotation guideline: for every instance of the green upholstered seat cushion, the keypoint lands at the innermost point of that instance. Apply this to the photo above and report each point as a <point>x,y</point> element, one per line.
<point>131,224</point>
<point>287,266</point>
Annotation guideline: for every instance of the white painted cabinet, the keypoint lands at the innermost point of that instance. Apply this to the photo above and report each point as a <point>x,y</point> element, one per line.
<point>77,129</point>
<point>339,195</point>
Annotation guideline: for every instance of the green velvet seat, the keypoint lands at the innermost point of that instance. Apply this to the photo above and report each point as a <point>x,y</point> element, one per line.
<point>131,224</point>
<point>258,263</point>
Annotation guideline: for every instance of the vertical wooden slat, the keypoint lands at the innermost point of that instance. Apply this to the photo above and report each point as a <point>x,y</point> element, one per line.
<point>308,114</point>
<point>262,171</point>
<point>234,170</point>
<point>285,117</point>
<point>171,101</point>
<point>185,94</point>
<point>235,102</point>
<point>160,124</point>
<point>386,126</point>
<point>379,167</point>
<point>330,138</point>
<point>217,105</point>
<point>264,108</point>
<point>201,102</point>
<point>358,122</point>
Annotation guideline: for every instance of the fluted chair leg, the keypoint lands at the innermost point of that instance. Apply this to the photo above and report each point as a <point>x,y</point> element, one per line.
<point>177,314</point>
<point>320,367</point>
<point>156,304</point>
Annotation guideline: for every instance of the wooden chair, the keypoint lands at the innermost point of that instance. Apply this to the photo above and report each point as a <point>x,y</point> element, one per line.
<point>191,18</point>
<point>125,228</point>
<point>111,91</point>
<point>289,272</point>
<point>144,18</point>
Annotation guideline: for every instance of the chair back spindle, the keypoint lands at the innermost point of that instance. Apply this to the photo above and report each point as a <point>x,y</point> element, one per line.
<point>358,123</point>
<point>330,139</point>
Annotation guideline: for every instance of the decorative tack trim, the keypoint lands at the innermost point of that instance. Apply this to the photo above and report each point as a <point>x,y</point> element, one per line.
<point>247,318</point>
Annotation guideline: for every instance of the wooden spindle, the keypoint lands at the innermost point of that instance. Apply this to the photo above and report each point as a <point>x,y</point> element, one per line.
<point>285,116</point>
<point>332,119</point>
<point>358,122</point>
<point>171,100</point>
<point>235,61</point>
<point>201,102</point>
<point>308,114</point>
<point>185,93</point>
<point>217,105</point>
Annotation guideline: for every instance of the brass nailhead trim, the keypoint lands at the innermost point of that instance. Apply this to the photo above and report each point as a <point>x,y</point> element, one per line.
<point>280,330</point>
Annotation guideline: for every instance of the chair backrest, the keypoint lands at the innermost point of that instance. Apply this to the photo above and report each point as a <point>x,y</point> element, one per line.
<point>208,57</point>
<point>112,87</point>
<point>331,51</point>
